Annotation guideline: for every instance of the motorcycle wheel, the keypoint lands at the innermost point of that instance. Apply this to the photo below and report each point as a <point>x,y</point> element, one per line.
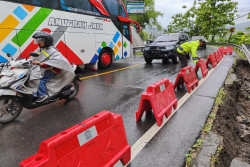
<point>75,89</point>
<point>10,108</point>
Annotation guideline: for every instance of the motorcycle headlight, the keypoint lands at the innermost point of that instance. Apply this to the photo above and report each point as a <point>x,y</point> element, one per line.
<point>7,83</point>
<point>146,48</point>
<point>169,47</point>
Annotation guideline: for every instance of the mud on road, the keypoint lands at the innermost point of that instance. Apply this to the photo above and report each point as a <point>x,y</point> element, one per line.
<point>233,117</point>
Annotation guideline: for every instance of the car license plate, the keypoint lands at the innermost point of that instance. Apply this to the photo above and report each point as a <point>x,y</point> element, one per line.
<point>155,52</point>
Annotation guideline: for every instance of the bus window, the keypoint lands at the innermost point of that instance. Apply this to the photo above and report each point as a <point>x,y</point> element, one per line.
<point>122,11</point>
<point>45,3</point>
<point>125,30</point>
<point>112,6</point>
<point>42,3</point>
<point>75,4</point>
<point>80,6</point>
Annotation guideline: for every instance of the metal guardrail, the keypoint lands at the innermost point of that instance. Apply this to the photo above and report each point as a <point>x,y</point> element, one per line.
<point>243,48</point>
<point>138,48</point>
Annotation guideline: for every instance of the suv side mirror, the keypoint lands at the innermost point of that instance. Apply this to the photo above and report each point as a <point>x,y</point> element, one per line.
<point>183,38</point>
<point>149,41</point>
<point>34,54</point>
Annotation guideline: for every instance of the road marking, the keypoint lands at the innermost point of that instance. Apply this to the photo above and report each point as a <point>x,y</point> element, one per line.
<point>111,71</point>
<point>141,143</point>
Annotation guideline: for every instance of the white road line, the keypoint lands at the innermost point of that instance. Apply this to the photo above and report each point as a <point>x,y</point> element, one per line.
<point>141,143</point>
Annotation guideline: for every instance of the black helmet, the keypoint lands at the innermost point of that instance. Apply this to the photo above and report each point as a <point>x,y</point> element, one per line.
<point>203,41</point>
<point>48,39</point>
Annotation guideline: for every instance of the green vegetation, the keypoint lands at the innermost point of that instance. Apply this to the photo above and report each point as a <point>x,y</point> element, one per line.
<point>206,18</point>
<point>220,96</point>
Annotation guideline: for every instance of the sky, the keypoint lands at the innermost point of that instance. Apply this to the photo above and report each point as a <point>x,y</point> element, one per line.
<point>172,7</point>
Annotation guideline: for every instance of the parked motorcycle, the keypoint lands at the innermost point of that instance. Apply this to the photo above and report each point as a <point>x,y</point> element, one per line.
<point>14,93</point>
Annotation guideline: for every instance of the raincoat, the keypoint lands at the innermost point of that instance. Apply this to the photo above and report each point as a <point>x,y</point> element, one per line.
<point>190,47</point>
<point>52,57</point>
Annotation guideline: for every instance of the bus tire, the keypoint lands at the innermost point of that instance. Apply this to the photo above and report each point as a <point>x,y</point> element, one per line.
<point>105,59</point>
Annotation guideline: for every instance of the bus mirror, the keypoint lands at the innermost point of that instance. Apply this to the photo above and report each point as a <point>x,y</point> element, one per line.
<point>137,29</point>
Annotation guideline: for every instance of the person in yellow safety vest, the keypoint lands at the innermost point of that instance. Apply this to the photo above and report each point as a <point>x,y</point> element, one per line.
<point>186,48</point>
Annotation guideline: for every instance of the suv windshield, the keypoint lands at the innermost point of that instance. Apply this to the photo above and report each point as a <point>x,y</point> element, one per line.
<point>196,38</point>
<point>167,38</point>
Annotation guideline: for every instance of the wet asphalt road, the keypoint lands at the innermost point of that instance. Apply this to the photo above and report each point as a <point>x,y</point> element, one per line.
<point>118,92</point>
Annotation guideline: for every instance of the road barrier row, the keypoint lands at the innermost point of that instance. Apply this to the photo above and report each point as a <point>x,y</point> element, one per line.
<point>100,141</point>
<point>160,96</point>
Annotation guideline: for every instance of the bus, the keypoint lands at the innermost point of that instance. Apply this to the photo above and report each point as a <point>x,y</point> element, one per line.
<point>89,33</point>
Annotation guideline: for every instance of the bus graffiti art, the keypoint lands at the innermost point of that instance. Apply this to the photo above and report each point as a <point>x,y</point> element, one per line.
<point>86,32</point>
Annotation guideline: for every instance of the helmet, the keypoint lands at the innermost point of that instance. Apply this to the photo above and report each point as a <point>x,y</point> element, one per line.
<point>203,41</point>
<point>46,37</point>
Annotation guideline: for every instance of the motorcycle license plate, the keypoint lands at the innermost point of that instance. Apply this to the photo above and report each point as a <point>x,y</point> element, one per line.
<point>7,73</point>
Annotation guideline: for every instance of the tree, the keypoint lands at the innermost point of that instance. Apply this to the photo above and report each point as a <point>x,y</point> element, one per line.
<point>213,15</point>
<point>149,17</point>
<point>248,28</point>
<point>184,21</point>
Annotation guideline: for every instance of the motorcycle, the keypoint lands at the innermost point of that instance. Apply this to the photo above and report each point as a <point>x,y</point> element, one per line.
<point>14,95</point>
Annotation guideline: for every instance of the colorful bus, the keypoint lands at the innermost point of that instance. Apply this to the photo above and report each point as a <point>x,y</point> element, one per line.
<point>86,32</point>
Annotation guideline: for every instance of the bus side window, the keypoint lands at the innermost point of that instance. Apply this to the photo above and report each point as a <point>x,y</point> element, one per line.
<point>75,5</point>
<point>125,30</point>
<point>45,3</point>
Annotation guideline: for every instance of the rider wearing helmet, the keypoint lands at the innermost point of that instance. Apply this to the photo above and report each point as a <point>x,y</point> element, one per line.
<point>47,65</point>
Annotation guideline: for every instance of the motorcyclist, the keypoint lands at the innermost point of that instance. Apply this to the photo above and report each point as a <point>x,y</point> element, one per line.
<point>189,47</point>
<point>47,65</point>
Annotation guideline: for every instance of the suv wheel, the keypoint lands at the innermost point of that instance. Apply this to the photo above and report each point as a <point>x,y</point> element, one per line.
<point>148,60</point>
<point>174,60</point>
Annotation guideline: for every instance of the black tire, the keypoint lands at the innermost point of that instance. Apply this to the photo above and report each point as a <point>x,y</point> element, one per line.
<point>75,89</point>
<point>105,59</point>
<point>10,108</point>
<point>174,60</point>
<point>165,61</point>
<point>148,60</point>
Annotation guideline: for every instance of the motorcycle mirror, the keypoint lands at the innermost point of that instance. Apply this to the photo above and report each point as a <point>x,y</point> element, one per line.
<point>8,54</point>
<point>33,54</point>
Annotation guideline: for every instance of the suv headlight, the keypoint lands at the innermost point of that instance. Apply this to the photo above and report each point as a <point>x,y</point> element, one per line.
<point>146,48</point>
<point>169,47</point>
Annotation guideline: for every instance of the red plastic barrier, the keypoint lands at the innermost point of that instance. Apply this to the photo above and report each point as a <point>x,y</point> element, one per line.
<point>202,65</point>
<point>218,56</point>
<point>161,98</point>
<point>227,49</point>
<point>96,142</point>
<point>211,60</point>
<point>222,54</point>
<point>188,76</point>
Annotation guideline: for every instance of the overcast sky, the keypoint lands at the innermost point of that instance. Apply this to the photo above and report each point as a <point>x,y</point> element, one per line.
<point>172,7</point>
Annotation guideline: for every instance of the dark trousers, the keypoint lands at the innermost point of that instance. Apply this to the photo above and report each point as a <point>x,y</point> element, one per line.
<point>48,74</point>
<point>183,59</point>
